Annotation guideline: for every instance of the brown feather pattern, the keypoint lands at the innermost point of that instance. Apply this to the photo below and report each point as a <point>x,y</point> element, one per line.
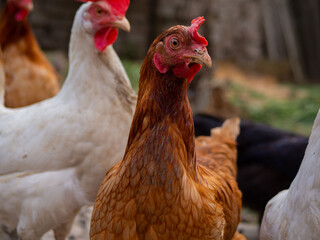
<point>29,75</point>
<point>161,189</point>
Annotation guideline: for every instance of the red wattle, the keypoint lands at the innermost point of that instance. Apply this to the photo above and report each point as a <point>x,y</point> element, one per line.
<point>21,14</point>
<point>105,37</point>
<point>184,71</point>
<point>157,59</point>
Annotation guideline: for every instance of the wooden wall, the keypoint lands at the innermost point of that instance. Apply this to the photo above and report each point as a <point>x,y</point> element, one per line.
<point>245,31</point>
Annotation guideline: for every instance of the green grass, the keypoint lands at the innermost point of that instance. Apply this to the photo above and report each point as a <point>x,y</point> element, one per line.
<point>296,114</point>
<point>133,70</point>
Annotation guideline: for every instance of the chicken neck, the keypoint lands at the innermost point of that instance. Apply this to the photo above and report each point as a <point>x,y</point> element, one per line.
<point>163,110</point>
<point>19,33</point>
<point>95,80</point>
<point>10,29</point>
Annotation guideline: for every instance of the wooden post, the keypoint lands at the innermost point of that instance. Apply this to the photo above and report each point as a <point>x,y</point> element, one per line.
<point>273,32</point>
<point>290,38</point>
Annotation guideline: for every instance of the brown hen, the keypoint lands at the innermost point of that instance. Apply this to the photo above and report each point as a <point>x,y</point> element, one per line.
<point>29,75</point>
<point>162,189</point>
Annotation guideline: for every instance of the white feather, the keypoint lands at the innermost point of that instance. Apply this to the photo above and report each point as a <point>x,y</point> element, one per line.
<point>294,214</point>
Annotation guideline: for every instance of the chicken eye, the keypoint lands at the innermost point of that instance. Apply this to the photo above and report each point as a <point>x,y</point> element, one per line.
<point>99,11</point>
<point>174,43</point>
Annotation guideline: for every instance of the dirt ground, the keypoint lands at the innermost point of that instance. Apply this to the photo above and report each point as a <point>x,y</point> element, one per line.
<point>261,83</point>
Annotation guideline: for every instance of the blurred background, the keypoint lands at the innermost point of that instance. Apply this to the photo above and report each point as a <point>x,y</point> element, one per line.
<point>266,54</point>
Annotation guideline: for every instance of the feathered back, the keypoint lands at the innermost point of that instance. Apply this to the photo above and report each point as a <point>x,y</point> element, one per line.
<point>230,128</point>
<point>222,141</point>
<point>217,154</point>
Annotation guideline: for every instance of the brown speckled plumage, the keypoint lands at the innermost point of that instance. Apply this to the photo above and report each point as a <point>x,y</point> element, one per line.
<point>168,186</point>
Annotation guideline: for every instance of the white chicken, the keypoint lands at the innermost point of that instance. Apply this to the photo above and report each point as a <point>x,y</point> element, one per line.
<point>53,153</point>
<point>294,214</point>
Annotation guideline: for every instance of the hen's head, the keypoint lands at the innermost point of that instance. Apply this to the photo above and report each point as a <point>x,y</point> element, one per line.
<point>20,8</point>
<point>182,49</point>
<point>103,18</point>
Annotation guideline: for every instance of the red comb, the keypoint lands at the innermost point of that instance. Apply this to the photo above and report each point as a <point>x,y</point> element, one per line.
<point>193,29</point>
<point>119,7</point>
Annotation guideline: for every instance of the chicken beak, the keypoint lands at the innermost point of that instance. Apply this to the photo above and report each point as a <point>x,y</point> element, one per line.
<point>122,24</point>
<point>201,57</point>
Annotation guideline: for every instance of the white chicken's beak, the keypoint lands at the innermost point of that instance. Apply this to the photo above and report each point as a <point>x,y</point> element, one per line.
<point>122,24</point>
